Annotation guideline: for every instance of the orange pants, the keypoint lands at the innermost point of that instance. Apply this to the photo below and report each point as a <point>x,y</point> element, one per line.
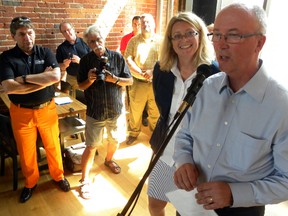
<point>25,123</point>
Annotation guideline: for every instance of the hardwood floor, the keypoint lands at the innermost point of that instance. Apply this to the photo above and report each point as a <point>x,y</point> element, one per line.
<point>111,191</point>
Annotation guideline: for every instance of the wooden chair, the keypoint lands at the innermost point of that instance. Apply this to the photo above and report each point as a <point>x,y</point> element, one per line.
<point>80,96</point>
<point>8,149</point>
<point>3,108</point>
<point>71,125</point>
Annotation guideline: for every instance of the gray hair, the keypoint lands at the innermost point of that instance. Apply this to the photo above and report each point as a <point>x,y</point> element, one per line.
<point>261,17</point>
<point>92,30</point>
<point>256,11</point>
<point>62,23</point>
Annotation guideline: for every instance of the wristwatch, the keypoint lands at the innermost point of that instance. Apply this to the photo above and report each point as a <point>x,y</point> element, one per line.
<point>118,80</point>
<point>24,79</point>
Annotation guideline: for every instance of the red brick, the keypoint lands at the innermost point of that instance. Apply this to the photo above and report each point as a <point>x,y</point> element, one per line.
<point>46,15</point>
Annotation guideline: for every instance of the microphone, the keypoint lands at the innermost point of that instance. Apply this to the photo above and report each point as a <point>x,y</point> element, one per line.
<point>203,71</point>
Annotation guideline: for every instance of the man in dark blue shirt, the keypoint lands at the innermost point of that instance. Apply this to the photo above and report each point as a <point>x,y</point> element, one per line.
<point>102,74</point>
<point>69,53</point>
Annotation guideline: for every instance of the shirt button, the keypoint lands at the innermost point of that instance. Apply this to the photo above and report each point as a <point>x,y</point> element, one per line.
<point>209,166</point>
<point>226,123</point>
<point>218,145</point>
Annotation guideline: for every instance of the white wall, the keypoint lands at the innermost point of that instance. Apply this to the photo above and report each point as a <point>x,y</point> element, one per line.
<point>276,47</point>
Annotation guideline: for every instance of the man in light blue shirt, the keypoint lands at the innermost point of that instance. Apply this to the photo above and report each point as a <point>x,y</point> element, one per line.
<point>233,145</point>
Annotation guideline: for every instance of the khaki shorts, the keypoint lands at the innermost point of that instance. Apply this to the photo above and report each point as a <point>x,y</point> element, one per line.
<point>94,131</point>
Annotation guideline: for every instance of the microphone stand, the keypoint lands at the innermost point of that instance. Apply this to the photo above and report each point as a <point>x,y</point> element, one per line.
<point>156,157</point>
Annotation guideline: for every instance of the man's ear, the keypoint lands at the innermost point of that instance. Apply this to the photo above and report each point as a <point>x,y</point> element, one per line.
<point>13,36</point>
<point>261,42</point>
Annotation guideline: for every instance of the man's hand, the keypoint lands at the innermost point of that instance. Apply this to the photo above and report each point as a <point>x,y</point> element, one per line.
<point>186,177</point>
<point>67,62</point>
<point>48,69</point>
<point>109,77</point>
<point>19,79</point>
<point>92,75</point>
<point>148,74</point>
<point>214,195</point>
<point>75,59</point>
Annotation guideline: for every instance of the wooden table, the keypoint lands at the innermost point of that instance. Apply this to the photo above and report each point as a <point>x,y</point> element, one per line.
<point>73,108</point>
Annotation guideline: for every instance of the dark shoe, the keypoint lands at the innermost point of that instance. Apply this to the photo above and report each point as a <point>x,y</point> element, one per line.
<point>73,136</point>
<point>130,140</point>
<point>145,122</point>
<point>113,166</point>
<point>26,194</point>
<point>64,185</point>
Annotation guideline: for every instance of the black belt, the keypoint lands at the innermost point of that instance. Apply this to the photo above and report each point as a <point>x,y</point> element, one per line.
<point>143,80</point>
<point>34,106</point>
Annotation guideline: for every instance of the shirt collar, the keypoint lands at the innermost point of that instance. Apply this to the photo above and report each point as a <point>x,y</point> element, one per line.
<point>20,52</point>
<point>152,38</point>
<point>175,70</point>
<point>76,41</point>
<point>255,87</point>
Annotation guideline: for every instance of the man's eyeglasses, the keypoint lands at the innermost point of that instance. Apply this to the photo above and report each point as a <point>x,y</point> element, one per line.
<point>21,19</point>
<point>230,38</point>
<point>188,35</point>
<point>97,40</point>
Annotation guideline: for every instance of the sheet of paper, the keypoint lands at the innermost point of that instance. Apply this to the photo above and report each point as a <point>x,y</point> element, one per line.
<point>62,100</point>
<point>186,204</point>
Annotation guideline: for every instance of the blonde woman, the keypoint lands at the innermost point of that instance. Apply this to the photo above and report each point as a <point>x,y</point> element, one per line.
<point>185,46</point>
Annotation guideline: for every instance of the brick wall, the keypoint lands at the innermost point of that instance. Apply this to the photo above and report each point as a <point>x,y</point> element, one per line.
<point>114,15</point>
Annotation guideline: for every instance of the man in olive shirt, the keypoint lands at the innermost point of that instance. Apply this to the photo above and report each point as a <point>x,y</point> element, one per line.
<point>141,54</point>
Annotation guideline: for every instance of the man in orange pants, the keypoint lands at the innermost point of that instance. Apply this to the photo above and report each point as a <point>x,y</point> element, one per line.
<point>28,73</point>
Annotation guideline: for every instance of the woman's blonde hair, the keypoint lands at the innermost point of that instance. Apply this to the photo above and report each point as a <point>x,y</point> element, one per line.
<point>204,54</point>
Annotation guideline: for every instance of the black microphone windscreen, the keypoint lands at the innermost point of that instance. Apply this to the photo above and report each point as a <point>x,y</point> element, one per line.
<point>205,70</point>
